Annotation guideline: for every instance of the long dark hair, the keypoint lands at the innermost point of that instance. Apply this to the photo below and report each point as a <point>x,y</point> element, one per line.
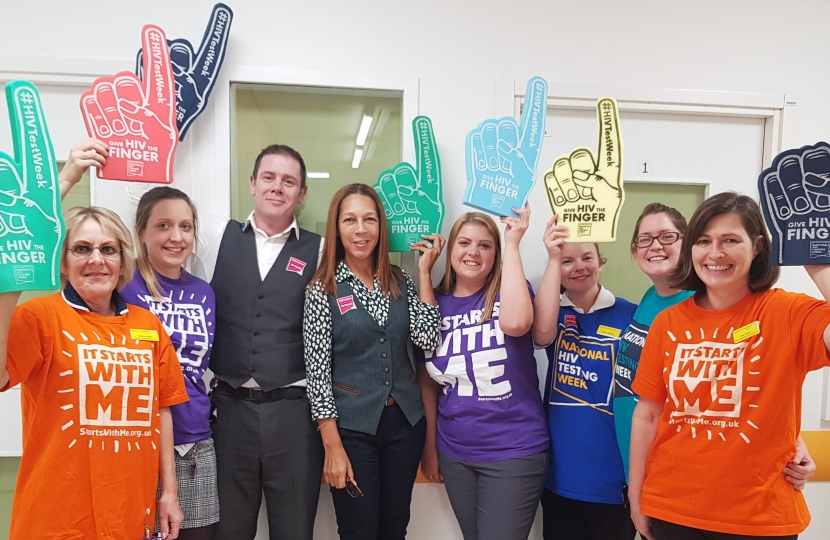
<point>333,251</point>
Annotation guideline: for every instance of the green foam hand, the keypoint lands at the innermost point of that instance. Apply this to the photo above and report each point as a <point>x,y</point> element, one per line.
<point>412,197</point>
<point>31,224</point>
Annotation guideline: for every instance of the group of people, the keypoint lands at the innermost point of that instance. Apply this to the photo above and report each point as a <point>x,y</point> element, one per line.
<point>330,363</point>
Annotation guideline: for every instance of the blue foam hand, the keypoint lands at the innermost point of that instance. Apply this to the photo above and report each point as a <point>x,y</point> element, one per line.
<point>196,72</point>
<point>502,156</point>
<point>795,200</point>
<point>31,224</point>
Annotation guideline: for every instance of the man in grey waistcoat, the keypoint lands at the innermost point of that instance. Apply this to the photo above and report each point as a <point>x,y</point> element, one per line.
<point>264,436</point>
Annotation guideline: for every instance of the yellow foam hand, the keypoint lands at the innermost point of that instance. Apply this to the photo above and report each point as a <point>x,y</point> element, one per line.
<point>586,190</point>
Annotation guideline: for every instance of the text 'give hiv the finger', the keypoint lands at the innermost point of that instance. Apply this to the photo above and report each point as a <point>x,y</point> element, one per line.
<point>136,119</point>
<point>795,199</point>
<point>412,197</point>
<point>31,223</point>
<point>196,72</point>
<point>502,156</point>
<point>586,191</point>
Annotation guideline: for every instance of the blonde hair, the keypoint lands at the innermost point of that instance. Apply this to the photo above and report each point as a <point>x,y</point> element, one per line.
<point>142,218</point>
<point>333,251</point>
<point>493,283</point>
<point>111,225</point>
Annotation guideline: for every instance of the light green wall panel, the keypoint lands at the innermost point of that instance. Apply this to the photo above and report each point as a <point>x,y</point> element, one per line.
<point>8,476</point>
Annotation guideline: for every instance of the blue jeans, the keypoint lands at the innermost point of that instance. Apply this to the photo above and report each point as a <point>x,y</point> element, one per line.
<point>385,466</point>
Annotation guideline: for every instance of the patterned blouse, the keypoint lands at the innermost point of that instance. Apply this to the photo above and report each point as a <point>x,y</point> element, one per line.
<point>423,327</point>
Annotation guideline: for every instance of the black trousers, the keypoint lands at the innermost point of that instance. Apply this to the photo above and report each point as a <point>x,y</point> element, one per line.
<point>663,530</point>
<point>385,466</point>
<point>272,448</point>
<point>569,519</point>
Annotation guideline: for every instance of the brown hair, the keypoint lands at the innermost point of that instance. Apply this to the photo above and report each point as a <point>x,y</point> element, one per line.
<point>673,214</point>
<point>111,225</point>
<point>142,217</point>
<point>333,251</point>
<point>762,275</point>
<point>281,150</point>
<point>493,283</point>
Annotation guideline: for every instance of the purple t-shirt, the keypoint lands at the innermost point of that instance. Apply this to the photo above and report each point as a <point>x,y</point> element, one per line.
<point>491,408</point>
<point>188,315</point>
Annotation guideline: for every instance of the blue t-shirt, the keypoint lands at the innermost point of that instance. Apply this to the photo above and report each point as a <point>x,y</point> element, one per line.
<point>587,465</point>
<point>631,346</point>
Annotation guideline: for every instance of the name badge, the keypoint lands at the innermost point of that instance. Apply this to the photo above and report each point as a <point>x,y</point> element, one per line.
<point>346,304</point>
<point>144,335</point>
<point>570,320</point>
<point>746,332</point>
<point>608,331</point>
<point>295,265</point>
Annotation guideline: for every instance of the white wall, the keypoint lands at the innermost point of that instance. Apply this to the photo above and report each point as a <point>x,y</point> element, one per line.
<point>459,49</point>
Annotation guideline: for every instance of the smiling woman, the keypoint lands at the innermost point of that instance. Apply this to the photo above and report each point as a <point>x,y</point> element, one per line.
<point>90,370</point>
<point>720,381</point>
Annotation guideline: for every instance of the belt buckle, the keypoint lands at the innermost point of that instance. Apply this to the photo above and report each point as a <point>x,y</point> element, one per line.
<point>250,394</point>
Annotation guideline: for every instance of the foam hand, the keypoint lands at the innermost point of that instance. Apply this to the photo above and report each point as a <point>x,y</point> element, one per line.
<point>795,199</point>
<point>502,156</point>
<point>196,71</point>
<point>136,119</point>
<point>412,196</point>
<point>586,190</point>
<point>31,224</point>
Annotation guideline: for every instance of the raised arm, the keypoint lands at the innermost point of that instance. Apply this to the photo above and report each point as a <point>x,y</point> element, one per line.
<point>643,433</point>
<point>546,303</point>
<point>82,156</point>
<point>820,274</point>
<point>516,307</point>
<point>7,303</point>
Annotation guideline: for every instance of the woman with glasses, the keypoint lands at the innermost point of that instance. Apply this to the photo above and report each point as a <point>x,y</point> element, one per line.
<point>360,313</point>
<point>584,490</point>
<point>165,227</point>
<point>485,422</point>
<point>98,378</point>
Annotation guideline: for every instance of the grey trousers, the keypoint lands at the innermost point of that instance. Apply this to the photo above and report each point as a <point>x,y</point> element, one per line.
<point>268,447</point>
<point>495,500</point>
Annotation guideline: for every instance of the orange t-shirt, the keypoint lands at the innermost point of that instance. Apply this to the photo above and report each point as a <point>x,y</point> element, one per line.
<point>90,396</point>
<point>731,382</point>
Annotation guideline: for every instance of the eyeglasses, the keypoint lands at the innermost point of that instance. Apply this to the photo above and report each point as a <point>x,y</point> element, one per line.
<point>352,489</point>
<point>665,239</point>
<point>85,252</point>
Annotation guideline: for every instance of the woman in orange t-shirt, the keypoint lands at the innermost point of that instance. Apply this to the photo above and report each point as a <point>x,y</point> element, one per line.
<point>97,381</point>
<point>720,382</point>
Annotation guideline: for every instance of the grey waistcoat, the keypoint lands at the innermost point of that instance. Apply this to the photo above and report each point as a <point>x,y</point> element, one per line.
<point>259,324</point>
<point>370,362</point>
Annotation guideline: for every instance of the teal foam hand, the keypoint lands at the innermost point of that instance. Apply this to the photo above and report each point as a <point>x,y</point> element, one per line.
<point>412,196</point>
<point>502,156</point>
<point>31,223</point>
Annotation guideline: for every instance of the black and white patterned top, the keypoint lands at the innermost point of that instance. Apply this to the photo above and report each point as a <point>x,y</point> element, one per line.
<point>423,328</point>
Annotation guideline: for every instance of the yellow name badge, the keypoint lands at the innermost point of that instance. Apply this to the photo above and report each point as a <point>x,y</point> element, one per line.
<point>144,335</point>
<point>746,332</point>
<point>608,331</point>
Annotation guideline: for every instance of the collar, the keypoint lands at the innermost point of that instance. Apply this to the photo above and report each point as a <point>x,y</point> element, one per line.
<point>251,223</point>
<point>605,299</point>
<point>71,297</point>
<point>343,273</point>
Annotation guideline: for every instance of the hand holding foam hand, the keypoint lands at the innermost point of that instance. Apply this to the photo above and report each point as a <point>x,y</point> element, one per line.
<point>586,191</point>
<point>134,119</point>
<point>196,71</point>
<point>502,156</point>
<point>795,199</point>
<point>412,197</point>
<point>31,223</point>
